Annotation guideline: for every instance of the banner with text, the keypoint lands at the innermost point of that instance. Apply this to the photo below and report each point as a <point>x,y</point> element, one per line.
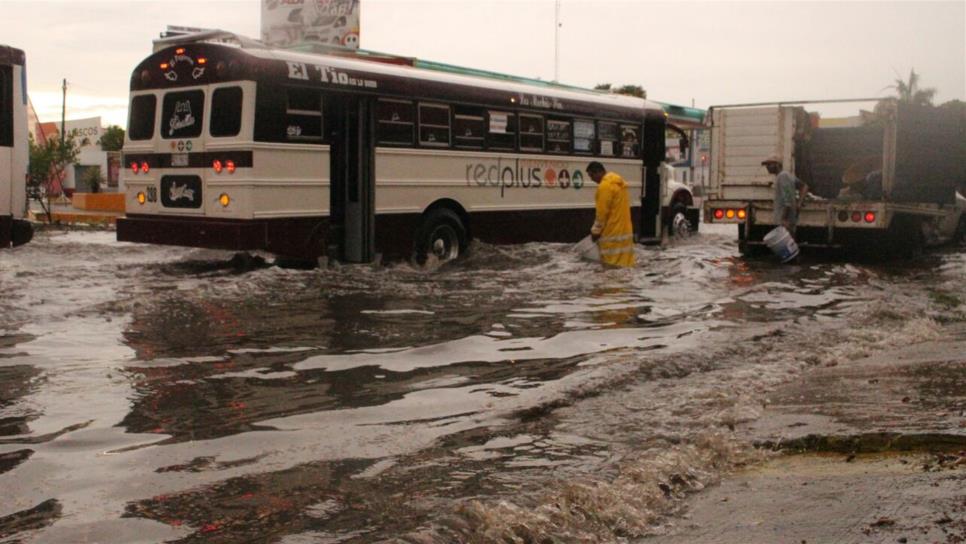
<point>330,22</point>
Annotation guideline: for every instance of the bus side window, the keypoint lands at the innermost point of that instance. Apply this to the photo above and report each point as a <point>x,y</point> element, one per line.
<point>434,125</point>
<point>502,133</point>
<point>468,127</point>
<point>226,112</point>
<point>584,134</point>
<point>608,138</point>
<point>6,106</point>
<point>303,115</point>
<point>558,136</point>
<point>141,122</point>
<point>396,121</point>
<point>531,132</point>
<point>630,141</point>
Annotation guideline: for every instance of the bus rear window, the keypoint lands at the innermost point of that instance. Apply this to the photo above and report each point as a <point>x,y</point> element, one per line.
<point>226,111</point>
<point>182,113</point>
<point>141,124</point>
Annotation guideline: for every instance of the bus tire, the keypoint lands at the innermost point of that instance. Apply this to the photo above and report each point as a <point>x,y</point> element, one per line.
<point>680,225</point>
<point>441,235</point>
<point>23,232</point>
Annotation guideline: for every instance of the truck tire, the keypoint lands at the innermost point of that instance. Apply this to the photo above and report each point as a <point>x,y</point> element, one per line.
<point>441,235</point>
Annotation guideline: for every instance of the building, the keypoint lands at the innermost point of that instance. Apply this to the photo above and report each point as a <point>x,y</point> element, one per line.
<point>87,134</point>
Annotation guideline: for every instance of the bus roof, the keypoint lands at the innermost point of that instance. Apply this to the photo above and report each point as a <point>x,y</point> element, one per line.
<point>408,68</point>
<point>11,55</point>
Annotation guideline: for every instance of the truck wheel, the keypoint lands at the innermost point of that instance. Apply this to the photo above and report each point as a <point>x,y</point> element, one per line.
<point>441,235</point>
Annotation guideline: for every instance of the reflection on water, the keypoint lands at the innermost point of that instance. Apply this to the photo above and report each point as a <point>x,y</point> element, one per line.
<point>166,396</point>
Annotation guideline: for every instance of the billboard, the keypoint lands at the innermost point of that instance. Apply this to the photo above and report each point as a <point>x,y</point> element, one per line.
<point>330,22</point>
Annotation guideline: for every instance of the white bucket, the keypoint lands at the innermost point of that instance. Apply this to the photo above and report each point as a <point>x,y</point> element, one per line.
<point>588,249</point>
<point>781,243</point>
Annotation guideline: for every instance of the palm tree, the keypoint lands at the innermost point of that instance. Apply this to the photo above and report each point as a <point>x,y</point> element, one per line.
<point>911,93</point>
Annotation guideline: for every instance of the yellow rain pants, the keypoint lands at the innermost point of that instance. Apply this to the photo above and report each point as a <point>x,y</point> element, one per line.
<point>613,222</point>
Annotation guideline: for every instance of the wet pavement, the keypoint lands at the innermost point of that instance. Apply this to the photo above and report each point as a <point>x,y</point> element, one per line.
<point>154,394</point>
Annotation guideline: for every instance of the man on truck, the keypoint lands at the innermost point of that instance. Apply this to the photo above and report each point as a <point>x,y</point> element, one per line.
<point>789,194</point>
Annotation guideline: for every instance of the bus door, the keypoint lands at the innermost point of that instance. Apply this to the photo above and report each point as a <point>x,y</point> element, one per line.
<point>653,155</point>
<point>352,196</point>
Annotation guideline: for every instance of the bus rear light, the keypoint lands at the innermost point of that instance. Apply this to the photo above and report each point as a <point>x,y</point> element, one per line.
<point>141,198</point>
<point>145,168</point>
<point>742,214</point>
<point>718,213</point>
<point>202,61</point>
<point>217,166</point>
<point>179,51</point>
<point>870,217</point>
<point>164,65</point>
<point>730,214</point>
<point>134,168</point>
<point>224,200</point>
<point>230,166</point>
<point>856,217</point>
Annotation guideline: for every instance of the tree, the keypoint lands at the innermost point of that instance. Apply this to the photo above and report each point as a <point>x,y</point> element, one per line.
<point>630,90</point>
<point>48,168</point>
<point>112,139</point>
<point>911,93</point>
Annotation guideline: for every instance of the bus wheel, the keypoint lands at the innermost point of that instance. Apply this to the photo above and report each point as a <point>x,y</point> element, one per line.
<point>442,236</point>
<point>680,226</point>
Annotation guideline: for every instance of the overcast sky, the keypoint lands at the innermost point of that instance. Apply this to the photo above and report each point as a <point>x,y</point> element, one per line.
<point>708,52</point>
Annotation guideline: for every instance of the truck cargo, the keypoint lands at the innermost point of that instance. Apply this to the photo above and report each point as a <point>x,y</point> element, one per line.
<point>887,182</point>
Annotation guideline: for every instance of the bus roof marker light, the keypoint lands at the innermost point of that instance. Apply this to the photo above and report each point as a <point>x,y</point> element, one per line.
<point>165,65</point>
<point>202,60</point>
<point>179,51</point>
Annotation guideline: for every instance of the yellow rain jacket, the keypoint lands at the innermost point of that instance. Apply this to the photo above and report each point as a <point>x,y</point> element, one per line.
<point>613,222</point>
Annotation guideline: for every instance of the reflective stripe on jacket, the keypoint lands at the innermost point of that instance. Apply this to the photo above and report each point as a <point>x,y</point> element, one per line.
<point>613,222</point>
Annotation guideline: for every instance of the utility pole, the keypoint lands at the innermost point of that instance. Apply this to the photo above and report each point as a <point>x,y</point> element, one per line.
<point>556,42</point>
<point>63,116</point>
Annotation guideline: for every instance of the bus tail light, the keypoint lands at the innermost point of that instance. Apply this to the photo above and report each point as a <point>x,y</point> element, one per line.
<point>134,167</point>
<point>145,168</point>
<point>217,166</point>
<point>230,166</point>
<point>141,198</point>
<point>870,217</point>
<point>224,200</point>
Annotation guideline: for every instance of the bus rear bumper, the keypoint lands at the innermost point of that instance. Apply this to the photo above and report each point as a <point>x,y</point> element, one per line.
<point>299,237</point>
<point>193,232</point>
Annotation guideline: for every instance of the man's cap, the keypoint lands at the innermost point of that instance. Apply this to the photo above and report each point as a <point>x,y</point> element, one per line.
<point>773,158</point>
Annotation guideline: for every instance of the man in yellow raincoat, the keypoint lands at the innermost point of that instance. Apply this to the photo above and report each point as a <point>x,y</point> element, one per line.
<point>612,228</point>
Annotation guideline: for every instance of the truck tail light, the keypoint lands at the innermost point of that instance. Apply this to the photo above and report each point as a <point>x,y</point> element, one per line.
<point>870,217</point>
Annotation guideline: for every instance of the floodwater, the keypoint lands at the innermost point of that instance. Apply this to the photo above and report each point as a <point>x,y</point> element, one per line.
<point>155,394</point>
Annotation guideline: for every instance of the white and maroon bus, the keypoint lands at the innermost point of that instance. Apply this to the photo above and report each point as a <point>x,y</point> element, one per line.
<point>14,154</point>
<point>351,156</point>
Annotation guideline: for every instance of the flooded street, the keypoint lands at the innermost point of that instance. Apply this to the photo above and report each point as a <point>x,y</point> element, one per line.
<point>153,394</point>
